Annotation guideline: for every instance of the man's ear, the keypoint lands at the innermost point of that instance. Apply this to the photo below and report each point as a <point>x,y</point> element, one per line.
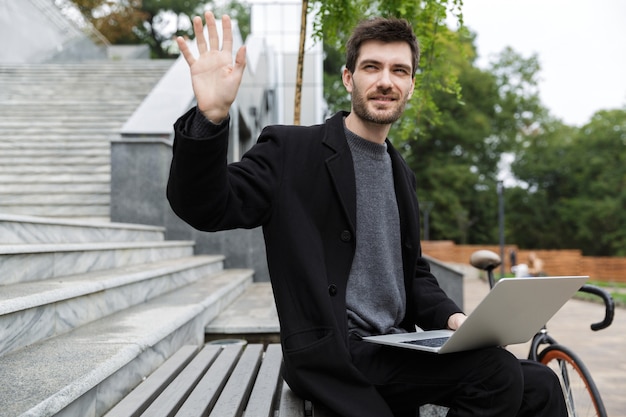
<point>346,76</point>
<point>412,88</point>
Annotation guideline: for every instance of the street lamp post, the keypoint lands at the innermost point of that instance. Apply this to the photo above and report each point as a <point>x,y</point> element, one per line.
<point>501,224</point>
<point>427,206</point>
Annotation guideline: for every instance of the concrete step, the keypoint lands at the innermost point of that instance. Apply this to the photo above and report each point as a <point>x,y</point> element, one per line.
<point>23,113</point>
<point>35,160</point>
<point>42,143</point>
<point>14,120</point>
<point>85,136</point>
<point>84,213</point>
<point>91,368</point>
<point>58,130</point>
<point>252,316</point>
<point>15,229</point>
<point>56,178</point>
<point>55,150</point>
<point>34,311</point>
<point>72,199</point>
<point>24,200</point>
<point>35,262</point>
<point>65,105</point>
<point>68,205</point>
<point>60,168</point>
<point>69,188</point>
<point>19,113</point>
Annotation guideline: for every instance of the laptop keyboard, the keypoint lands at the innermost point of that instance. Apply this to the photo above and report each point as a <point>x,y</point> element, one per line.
<point>434,342</point>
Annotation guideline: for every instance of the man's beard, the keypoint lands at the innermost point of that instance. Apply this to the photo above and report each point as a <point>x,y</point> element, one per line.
<point>359,107</point>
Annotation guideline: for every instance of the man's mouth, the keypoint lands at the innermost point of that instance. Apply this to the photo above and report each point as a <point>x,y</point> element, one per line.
<point>383,98</point>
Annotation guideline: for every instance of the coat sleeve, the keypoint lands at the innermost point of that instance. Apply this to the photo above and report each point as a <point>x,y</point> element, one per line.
<point>210,194</point>
<point>432,306</point>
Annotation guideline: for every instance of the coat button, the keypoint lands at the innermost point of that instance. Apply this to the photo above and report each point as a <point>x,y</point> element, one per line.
<point>332,290</point>
<point>346,236</point>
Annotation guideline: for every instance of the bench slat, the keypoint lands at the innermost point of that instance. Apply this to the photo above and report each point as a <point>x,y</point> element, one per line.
<point>140,398</point>
<point>290,404</point>
<point>237,390</point>
<point>170,399</point>
<point>267,384</point>
<point>205,394</point>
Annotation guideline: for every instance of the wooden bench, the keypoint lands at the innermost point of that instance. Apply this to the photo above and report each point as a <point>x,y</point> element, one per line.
<point>229,380</point>
<point>223,380</point>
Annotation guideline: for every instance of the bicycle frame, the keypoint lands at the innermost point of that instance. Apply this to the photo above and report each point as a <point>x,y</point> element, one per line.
<point>541,338</point>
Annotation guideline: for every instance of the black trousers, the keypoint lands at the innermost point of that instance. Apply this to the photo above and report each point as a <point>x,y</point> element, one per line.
<point>485,382</point>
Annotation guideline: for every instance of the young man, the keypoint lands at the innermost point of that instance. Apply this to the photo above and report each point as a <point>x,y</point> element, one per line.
<point>341,225</point>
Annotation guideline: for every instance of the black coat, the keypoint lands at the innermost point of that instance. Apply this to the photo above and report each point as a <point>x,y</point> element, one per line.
<point>299,184</point>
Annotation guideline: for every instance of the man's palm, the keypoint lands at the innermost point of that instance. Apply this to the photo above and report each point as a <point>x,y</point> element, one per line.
<point>215,79</point>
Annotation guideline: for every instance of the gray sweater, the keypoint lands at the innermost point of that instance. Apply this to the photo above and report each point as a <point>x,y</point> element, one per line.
<point>375,297</point>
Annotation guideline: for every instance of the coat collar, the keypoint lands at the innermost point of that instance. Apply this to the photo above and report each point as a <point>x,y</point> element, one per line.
<point>335,136</point>
<point>341,166</point>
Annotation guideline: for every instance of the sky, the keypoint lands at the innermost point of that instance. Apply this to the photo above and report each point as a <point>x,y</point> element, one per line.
<point>581,47</point>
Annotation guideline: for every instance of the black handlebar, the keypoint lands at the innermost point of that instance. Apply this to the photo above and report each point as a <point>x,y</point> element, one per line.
<point>488,261</point>
<point>609,305</point>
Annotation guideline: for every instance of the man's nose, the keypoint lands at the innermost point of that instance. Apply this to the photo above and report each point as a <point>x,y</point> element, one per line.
<point>384,80</point>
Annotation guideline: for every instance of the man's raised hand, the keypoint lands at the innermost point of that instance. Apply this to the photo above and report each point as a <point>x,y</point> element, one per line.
<point>214,76</point>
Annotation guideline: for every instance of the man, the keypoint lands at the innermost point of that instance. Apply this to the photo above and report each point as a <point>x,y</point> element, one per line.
<point>341,226</point>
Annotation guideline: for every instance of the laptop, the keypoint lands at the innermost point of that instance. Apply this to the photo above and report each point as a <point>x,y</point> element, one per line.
<point>512,312</point>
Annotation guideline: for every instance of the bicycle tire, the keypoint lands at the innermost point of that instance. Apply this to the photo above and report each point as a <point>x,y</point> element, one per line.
<point>581,394</point>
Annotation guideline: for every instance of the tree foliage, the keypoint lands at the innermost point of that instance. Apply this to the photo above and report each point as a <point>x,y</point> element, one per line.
<point>153,22</point>
<point>457,159</point>
<point>575,187</point>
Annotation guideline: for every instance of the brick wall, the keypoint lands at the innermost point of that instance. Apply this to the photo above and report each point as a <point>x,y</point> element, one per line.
<point>556,262</point>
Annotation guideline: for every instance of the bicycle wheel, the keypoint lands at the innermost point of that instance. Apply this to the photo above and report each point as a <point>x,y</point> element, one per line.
<point>581,394</point>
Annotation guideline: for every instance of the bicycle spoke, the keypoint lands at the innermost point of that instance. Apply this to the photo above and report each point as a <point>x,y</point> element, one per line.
<point>581,395</point>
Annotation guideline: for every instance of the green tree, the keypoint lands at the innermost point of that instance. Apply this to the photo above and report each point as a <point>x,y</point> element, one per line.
<point>575,187</point>
<point>519,110</point>
<point>456,159</point>
<point>542,171</point>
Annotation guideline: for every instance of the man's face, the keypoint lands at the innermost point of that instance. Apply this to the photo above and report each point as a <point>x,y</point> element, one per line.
<point>382,81</point>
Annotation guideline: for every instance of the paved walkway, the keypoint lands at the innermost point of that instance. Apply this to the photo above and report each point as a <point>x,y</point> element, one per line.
<point>603,352</point>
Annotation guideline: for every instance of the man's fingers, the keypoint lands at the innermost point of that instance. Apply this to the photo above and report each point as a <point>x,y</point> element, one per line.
<point>184,49</point>
<point>214,40</point>
<point>227,33</point>
<point>240,60</point>
<point>198,30</point>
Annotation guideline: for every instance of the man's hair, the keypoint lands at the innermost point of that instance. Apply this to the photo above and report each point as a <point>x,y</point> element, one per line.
<point>384,30</point>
